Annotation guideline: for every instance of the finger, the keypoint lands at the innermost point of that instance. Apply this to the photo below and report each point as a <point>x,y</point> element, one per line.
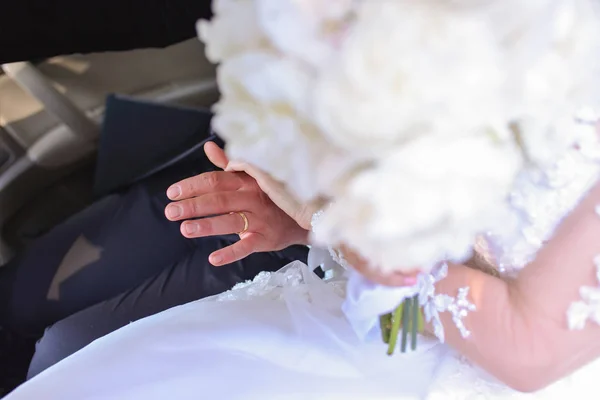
<point>207,182</point>
<point>259,175</point>
<point>277,192</point>
<point>249,244</point>
<point>216,155</point>
<point>409,278</point>
<point>213,204</point>
<point>395,279</point>
<point>400,279</point>
<point>220,225</point>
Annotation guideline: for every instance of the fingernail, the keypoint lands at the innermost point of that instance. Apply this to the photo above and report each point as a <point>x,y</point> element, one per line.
<point>191,228</point>
<point>410,281</point>
<point>174,211</point>
<point>174,192</point>
<point>216,259</point>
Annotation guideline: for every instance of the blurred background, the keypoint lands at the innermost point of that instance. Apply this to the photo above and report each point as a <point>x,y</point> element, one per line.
<point>66,68</point>
<point>51,114</point>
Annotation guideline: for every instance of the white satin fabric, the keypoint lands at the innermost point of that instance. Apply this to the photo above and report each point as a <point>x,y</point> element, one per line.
<point>280,337</point>
<point>289,335</point>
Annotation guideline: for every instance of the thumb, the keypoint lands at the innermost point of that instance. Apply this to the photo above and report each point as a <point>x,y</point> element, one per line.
<point>216,155</point>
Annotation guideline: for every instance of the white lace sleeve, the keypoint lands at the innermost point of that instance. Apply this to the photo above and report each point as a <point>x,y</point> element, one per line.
<point>588,308</point>
<point>330,260</point>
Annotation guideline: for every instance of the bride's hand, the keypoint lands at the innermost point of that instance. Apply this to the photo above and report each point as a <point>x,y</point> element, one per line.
<point>397,279</point>
<point>276,191</point>
<point>227,202</point>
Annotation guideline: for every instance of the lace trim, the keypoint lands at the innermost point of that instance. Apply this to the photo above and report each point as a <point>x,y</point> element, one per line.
<point>433,304</point>
<point>265,284</point>
<point>588,308</point>
<point>542,197</point>
<point>336,255</point>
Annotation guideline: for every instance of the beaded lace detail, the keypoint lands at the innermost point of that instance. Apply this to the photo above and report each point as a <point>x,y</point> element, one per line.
<point>274,285</point>
<point>336,255</point>
<point>433,304</point>
<point>588,309</point>
<point>540,200</point>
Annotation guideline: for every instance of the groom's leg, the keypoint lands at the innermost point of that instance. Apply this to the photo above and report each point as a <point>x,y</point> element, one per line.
<point>108,248</point>
<point>190,279</point>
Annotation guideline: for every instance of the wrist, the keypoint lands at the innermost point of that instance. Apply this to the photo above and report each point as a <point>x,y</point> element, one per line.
<point>304,217</point>
<point>306,214</point>
<point>303,238</point>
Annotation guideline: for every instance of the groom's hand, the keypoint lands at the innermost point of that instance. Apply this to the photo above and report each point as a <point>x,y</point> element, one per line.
<point>210,204</point>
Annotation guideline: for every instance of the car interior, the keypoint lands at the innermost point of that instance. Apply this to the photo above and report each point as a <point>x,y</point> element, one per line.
<point>50,117</point>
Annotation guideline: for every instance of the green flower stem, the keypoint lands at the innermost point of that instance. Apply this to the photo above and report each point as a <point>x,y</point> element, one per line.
<point>396,319</point>
<point>408,317</point>
<point>385,322</point>
<point>406,312</point>
<point>414,322</point>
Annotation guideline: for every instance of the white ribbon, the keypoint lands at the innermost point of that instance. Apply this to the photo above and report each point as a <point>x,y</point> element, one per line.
<point>367,301</point>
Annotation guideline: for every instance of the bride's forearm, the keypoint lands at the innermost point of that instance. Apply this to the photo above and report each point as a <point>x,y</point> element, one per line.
<point>513,333</point>
<point>500,340</point>
<point>521,330</point>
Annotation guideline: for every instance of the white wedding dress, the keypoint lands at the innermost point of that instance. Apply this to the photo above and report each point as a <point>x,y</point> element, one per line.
<point>285,336</point>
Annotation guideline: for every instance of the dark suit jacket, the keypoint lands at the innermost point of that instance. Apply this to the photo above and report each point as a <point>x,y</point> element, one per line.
<point>37,29</point>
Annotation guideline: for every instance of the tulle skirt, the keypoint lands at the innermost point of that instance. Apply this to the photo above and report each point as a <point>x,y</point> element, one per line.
<point>283,336</point>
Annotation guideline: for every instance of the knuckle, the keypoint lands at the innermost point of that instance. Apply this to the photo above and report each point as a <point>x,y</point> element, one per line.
<point>188,187</point>
<point>264,200</point>
<point>231,254</point>
<point>240,250</point>
<point>205,225</point>
<point>248,247</point>
<point>211,180</point>
<point>245,180</point>
<point>195,207</point>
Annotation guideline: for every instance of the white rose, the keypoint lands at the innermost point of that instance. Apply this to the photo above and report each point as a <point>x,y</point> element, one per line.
<point>234,29</point>
<point>303,29</point>
<point>552,63</point>
<point>407,69</point>
<point>268,79</point>
<point>424,203</point>
<point>386,107</point>
<point>263,117</point>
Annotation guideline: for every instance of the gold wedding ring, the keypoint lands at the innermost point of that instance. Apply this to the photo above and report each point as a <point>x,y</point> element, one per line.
<point>246,223</point>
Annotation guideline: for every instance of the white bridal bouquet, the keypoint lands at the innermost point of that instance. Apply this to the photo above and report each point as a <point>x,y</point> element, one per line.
<point>412,117</point>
